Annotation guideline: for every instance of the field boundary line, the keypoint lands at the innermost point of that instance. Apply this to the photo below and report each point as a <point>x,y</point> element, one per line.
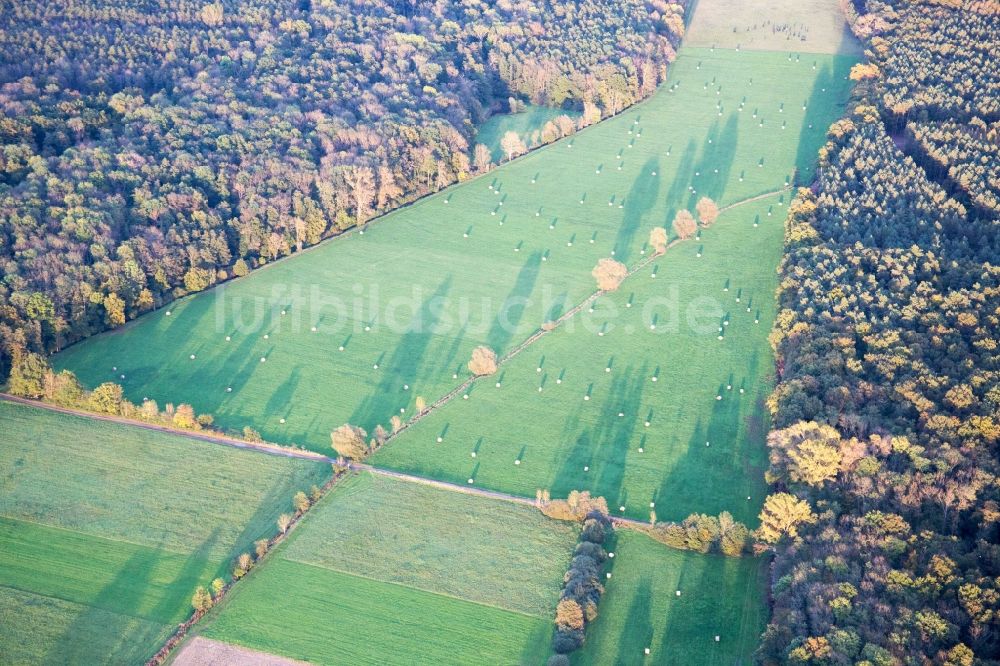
<point>95,536</point>
<point>202,436</point>
<point>413,587</point>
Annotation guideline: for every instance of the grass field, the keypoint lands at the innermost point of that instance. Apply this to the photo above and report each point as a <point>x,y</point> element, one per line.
<point>532,119</point>
<point>720,596</point>
<point>386,571</point>
<point>796,26</point>
<point>566,441</point>
<point>105,531</point>
<point>429,294</point>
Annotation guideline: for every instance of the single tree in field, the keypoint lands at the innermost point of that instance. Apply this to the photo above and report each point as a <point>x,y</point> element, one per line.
<point>781,517</point>
<point>361,180</point>
<point>300,502</point>
<point>349,441</point>
<point>481,158</point>
<point>202,600</point>
<point>483,361</point>
<point>609,274</point>
<point>512,145</point>
<point>708,211</point>
<point>658,239</point>
<point>684,224</point>
<point>284,521</point>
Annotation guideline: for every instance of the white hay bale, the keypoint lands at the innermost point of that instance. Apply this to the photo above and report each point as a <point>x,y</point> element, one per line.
<point>228,338</point>
<point>678,593</point>
<point>281,420</point>
<point>465,397</point>
<point>368,328</point>
<point>191,357</point>
<point>341,348</point>
<point>168,313</point>
<point>375,366</point>
<point>640,449</point>
<point>646,651</point>
<point>498,384</point>
<point>266,336</point>
<point>586,397</point>
<point>586,468</point>
<point>558,381</point>
<point>621,508</point>
<point>471,481</point>
<point>621,414</point>
<point>440,440</point>
<point>652,505</point>
<point>473,454</point>
<point>229,389</point>
<point>517,462</point>
<point>263,359</point>
<point>646,423</point>
<point>609,575</point>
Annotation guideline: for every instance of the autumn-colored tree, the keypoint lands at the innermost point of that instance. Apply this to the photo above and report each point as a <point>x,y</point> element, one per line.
<point>781,517</point>
<point>658,240</point>
<point>684,224</point>
<point>805,452</point>
<point>708,211</point>
<point>350,442</point>
<point>201,601</point>
<point>569,614</point>
<point>301,502</point>
<point>609,274</point>
<point>284,522</point>
<point>512,145</point>
<point>483,361</point>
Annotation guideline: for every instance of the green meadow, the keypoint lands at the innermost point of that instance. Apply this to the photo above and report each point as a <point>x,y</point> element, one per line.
<point>106,530</point>
<point>440,577</point>
<point>524,123</point>
<point>628,404</point>
<point>640,610</point>
<point>485,262</point>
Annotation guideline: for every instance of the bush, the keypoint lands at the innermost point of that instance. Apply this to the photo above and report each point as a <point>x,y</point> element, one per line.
<point>567,640</point>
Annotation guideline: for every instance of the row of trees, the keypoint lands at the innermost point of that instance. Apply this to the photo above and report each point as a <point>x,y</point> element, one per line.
<point>32,377</point>
<point>886,518</point>
<point>200,141</point>
<point>582,588</point>
<point>703,534</point>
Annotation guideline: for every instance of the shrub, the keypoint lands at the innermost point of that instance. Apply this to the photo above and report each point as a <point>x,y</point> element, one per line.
<point>483,361</point>
<point>609,274</point>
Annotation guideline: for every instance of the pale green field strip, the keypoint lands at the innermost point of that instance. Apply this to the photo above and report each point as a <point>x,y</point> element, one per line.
<point>141,486</point>
<point>720,596</point>
<point>388,571</point>
<point>440,541</point>
<point>328,617</point>
<point>795,26</point>
<point>460,252</point>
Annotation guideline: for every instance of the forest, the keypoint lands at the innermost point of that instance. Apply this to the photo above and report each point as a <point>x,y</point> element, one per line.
<point>886,417</point>
<point>153,148</point>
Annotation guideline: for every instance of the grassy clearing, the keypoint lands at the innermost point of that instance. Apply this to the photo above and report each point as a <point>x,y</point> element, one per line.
<point>454,287</point>
<point>531,120</point>
<point>437,576</point>
<point>565,441</point>
<point>105,531</point>
<point>719,596</point>
<point>328,617</point>
<point>797,26</point>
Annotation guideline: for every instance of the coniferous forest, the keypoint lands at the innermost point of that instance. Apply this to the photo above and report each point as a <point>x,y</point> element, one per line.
<point>887,411</point>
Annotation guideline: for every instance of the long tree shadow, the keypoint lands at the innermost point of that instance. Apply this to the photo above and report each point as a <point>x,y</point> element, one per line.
<point>682,177</point>
<point>826,103</point>
<point>641,199</point>
<point>406,362</point>
<point>513,306</point>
